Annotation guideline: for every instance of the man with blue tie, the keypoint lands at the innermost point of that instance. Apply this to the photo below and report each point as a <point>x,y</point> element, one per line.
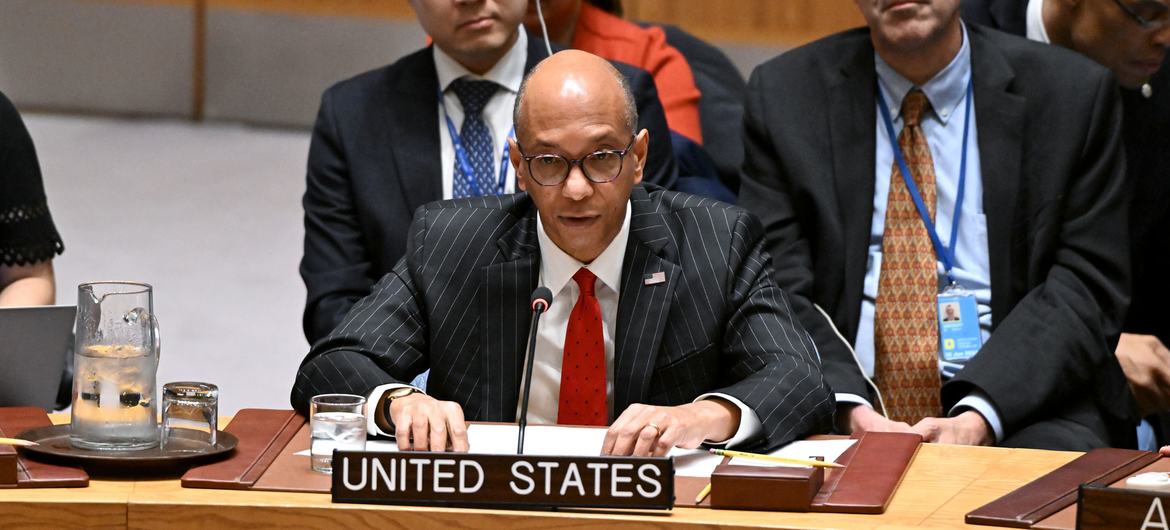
<point>665,322</point>
<point>922,162</point>
<point>433,125</point>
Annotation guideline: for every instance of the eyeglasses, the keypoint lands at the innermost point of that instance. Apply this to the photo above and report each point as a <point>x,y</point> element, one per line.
<point>600,166</point>
<point>1150,14</point>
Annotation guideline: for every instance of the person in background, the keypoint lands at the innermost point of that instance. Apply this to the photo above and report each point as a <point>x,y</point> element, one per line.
<point>1018,212</point>
<point>28,237</point>
<point>665,323</point>
<point>1130,37</point>
<point>583,25</point>
<point>385,143</point>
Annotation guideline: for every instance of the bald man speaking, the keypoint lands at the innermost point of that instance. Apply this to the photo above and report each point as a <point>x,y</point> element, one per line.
<point>665,324</point>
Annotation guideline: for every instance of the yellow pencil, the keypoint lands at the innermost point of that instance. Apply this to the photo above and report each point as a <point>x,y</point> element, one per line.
<point>16,441</point>
<point>703,494</point>
<point>770,458</point>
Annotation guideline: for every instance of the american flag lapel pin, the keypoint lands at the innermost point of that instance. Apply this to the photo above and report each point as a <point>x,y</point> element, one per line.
<point>656,278</point>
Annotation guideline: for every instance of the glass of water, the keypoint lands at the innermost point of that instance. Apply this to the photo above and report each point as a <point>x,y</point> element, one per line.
<point>338,421</point>
<point>190,416</point>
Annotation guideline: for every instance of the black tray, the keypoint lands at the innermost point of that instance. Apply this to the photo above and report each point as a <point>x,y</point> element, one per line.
<point>184,449</point>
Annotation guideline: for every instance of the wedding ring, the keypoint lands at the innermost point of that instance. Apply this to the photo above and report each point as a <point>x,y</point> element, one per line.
<point>655,426</point>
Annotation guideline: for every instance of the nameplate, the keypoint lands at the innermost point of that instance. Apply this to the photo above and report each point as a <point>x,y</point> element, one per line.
<point>505,481</point>
<point>1100,507</point>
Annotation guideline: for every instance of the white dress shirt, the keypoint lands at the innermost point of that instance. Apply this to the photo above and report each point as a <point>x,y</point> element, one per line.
<point>508,72</point>
<point>1034,22</point>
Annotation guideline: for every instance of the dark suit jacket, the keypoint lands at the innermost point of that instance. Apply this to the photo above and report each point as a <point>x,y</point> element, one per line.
<point>458,304</point>
<point>1146,128</point>
<point>374,158</point>
<point>1048,124</point>
<point>722,88</point>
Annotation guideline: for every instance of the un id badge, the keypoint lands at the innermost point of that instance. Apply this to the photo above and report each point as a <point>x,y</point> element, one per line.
<point>958,325</point>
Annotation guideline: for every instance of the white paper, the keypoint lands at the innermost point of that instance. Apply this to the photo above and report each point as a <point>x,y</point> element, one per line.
<point>555,440</point>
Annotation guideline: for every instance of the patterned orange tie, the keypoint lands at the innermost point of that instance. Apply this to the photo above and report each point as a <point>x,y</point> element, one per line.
<point>905,326</point>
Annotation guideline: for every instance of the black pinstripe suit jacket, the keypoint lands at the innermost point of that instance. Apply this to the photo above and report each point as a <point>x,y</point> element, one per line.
<point>458,304</point>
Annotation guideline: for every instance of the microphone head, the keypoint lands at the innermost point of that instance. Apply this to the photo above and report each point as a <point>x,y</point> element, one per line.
<point>541,299</point>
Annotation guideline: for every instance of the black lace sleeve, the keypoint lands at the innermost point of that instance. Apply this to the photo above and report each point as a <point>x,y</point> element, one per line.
<point>27,232</point>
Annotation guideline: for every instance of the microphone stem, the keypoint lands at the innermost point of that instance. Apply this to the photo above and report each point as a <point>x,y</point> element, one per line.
<point>529,361</point>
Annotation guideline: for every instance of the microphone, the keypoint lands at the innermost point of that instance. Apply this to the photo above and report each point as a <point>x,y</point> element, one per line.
<point>541,300</point>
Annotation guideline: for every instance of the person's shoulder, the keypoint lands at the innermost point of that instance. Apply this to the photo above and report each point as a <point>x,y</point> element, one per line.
<point>491,206</point>
<point>827,50</point>
<point>808,67</point>
<point>682,206</point>
<point>1037,63</point>
<point>405,70</point>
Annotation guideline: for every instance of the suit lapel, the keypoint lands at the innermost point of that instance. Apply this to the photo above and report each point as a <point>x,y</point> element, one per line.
<point>414,124</point>
<point>505,318</point>
<point>999,120</point>
<point>852,118</point>
<point>642,308</point>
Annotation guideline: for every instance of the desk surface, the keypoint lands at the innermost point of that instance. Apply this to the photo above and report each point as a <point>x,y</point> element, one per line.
<point>943,484</point>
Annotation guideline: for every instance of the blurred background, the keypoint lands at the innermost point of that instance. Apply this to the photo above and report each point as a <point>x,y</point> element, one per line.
<point>173,136</point>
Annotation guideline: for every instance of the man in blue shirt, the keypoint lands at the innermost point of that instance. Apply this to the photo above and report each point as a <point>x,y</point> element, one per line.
<point>920,162</point>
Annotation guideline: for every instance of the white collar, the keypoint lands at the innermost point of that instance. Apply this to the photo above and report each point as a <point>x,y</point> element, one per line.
<point>557,267</point>
<point>508,72</point>
<point>1034,18</point>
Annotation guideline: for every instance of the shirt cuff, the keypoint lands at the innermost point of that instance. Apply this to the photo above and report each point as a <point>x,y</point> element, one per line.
<point>853,399</point>
<point>749,423</point>
<point>979,402</point>
<point>374,400</point>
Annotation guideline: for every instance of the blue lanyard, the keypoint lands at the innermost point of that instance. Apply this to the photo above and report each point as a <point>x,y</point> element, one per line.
<point>461,154</point>
<point>946,254</point>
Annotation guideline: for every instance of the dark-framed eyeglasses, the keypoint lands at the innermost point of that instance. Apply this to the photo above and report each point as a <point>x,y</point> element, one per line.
<point>1149,14</point>
<point>601,166</point>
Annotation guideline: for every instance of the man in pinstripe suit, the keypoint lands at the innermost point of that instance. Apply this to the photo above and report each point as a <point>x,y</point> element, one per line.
<point>694,342</point>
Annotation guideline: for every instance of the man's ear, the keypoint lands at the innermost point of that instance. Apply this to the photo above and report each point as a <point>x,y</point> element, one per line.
<point>640,148</point>
<point>514,156</point>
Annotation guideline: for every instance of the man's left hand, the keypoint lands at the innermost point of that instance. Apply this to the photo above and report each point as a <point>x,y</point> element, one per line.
<point>646,430</point>
<point>968,428</point>
<point>1146,363</point>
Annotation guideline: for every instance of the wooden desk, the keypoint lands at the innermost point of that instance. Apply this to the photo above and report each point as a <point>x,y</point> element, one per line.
<point>942,485</point>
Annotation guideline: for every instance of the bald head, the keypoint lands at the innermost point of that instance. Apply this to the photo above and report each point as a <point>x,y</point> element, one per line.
<point>573,81</point>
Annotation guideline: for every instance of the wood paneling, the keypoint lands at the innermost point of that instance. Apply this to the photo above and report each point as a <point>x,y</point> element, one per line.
<point>763,22</point>
<point>767,22</point>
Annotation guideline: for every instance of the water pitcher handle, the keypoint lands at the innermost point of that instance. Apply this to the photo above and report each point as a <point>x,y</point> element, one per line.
<point>157,338</point>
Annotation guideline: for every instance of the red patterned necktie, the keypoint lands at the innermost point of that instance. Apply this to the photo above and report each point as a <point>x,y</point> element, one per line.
<point>583,366</point>
<point>905,324</point>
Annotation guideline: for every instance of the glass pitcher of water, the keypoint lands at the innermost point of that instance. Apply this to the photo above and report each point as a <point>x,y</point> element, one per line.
<point>115,364</point>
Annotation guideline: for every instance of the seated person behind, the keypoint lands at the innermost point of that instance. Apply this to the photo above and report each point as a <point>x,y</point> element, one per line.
<point>1026,200</point>
<point>28,238</point>
<point>384,144</point>
<point>672,330</point>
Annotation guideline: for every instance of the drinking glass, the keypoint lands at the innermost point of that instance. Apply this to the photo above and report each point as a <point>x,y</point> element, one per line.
<point>337,421</point>
<point>190,416</point>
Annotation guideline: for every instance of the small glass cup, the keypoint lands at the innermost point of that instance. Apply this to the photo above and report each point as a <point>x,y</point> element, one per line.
<point>190,416</point>
<point>337,421</point>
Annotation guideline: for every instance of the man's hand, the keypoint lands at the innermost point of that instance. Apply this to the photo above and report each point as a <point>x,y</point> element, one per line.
<point>968,428</point>
<point>423,423</point>
<point>1146,363</point>
<point>860,418</point>
<point>1165,450</point>
<point>645,430</point>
